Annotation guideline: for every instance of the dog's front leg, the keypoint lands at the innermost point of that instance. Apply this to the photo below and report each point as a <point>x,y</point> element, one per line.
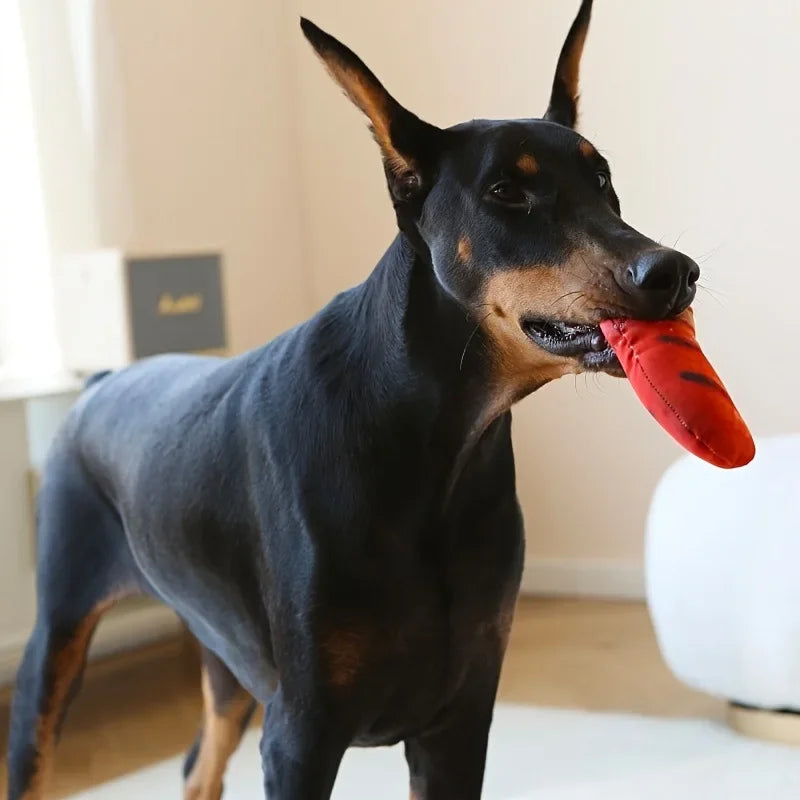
<point>301,749</point>
<point>448,761</point>
<point>449,764</point>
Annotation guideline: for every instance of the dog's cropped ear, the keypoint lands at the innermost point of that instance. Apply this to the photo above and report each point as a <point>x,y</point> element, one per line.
<point>409,145</point>
<point>563,107</point>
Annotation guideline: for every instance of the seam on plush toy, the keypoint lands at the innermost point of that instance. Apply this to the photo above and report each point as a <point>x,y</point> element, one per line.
<point>620,326</point>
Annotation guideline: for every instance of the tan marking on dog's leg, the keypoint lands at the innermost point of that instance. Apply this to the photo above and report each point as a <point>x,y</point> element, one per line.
<point>505,620</point>
<point>346,650</point>
<point>66,667</point>
<point>222,732</point>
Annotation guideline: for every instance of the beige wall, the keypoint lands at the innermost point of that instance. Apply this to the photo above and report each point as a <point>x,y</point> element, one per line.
<point>16,538</point>
<point>168,126</point>
<point>693,103</point>
<point>162,125</point>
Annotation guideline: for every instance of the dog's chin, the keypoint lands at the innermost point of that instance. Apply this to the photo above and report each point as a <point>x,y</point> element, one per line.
<point>586,344</point>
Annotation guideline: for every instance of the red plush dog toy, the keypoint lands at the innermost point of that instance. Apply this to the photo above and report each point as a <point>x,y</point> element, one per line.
<point>677,385</point>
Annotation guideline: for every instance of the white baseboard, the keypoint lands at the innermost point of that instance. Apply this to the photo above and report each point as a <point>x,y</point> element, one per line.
<point>119,630</point>
<point>610,578</point>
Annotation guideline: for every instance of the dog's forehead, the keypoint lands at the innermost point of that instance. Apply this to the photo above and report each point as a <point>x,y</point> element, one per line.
<point>488,146</point>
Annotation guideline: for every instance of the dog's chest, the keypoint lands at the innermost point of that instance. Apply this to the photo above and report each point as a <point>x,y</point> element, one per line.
<point>414,647</point>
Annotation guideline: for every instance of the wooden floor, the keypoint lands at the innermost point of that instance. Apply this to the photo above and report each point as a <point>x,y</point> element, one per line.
<point>135,710</point>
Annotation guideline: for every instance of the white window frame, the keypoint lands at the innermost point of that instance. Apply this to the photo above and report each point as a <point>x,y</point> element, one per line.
<point>28,342</point>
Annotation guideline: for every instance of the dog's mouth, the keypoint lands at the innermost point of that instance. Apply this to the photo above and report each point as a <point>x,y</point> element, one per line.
<point>573,340</point>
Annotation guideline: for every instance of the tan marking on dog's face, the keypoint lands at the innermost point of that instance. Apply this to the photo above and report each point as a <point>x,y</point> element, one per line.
<point>570,291</point>
<point>587,149</point>
<point>526,164</point>
<point>512,294</point>
<point>464,249</point>
<point>222,731</point>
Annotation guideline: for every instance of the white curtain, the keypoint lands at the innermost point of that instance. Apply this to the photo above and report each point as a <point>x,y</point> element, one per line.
<point>28,343</point>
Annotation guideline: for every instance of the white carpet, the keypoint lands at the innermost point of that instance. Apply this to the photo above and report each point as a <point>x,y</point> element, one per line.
<point>545,754</point>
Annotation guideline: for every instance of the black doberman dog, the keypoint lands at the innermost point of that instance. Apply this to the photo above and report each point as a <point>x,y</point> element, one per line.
<point>334,515</point>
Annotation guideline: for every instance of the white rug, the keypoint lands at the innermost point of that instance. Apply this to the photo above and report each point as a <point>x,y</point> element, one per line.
<point>545,754</point>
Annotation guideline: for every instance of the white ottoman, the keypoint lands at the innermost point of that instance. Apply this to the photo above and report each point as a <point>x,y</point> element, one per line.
<point>723,582</point>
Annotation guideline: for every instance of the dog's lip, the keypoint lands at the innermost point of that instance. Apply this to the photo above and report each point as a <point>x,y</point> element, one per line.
<point>584,341</point>
<point>564,338</point>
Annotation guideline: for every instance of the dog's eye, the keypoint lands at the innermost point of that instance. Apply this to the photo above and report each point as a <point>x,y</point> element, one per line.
<point>509,194</point>
<point>603,180</point>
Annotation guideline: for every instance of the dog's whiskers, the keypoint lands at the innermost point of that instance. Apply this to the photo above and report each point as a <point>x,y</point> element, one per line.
<point>708,254</point>
<point>715,294</point>
<point>680,236</point>
<point>564,296</point>
<point>581,296</point>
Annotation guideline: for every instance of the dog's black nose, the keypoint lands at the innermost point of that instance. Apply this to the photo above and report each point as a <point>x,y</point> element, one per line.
<point>663,281</point>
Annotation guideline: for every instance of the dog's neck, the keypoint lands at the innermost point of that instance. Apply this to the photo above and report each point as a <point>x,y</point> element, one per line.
<point>417,323</point>
<point>428,351</point>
